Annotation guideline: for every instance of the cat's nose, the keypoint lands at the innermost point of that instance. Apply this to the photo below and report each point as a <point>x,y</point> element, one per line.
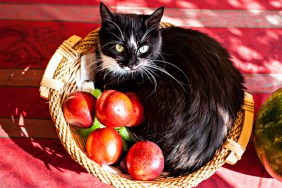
<point>132,62</point>
<point>136,66</point>
<point>131,66</point>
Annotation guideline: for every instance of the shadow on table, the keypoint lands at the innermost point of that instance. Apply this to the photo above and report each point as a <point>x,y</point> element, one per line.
<point>49,150</point>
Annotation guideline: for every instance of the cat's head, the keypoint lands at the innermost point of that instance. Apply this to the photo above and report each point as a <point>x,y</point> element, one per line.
<point>129,42</point>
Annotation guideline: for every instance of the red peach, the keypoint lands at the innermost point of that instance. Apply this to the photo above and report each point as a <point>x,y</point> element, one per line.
<point>138,110</point>
<point>79,109</point>
<point>104,146</point>
<point>113,109</point>
<point>145,160</point>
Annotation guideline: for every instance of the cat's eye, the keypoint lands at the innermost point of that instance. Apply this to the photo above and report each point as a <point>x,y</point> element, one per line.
<point>143,49</point>
<point>120,48</point>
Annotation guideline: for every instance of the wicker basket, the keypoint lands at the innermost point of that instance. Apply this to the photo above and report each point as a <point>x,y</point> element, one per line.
<point>59,80</point>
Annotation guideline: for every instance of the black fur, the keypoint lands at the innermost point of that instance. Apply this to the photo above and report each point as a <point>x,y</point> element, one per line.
<point>185,118</point>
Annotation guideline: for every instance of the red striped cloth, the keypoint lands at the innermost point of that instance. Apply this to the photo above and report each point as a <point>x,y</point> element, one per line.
<point>30,32</point>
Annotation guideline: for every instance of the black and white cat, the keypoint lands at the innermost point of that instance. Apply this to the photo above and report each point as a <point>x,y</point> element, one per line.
<point>190,90</point>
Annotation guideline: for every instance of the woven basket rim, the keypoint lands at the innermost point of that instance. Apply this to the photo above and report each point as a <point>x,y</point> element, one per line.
<point>65,73</point>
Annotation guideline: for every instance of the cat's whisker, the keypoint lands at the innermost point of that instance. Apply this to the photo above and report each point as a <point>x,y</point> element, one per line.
<point>112,42</point>
<point>148,31</point>
<point>99,68</point>
<point>142,74</point>
<point>156,67</point>
<point>168,63</point>
<point>89,66</point>
<point>116,36</point>
<point>118,77</point>
<point>163,59</point>
<point>150,77</point>
<point>107,72</point>
<point>134,74</point>
<point>112,76</point>
<point>166,72</point>
<point>162,53</point>
<point>112,47</point>
<point>123,39</point>
<point>151,71</point>
<point>149,74</point>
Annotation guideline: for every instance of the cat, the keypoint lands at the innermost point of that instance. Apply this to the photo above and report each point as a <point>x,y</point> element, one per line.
<point>190,89</point>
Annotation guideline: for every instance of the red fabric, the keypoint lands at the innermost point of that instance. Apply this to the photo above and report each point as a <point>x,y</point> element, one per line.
<point>41,163</point>
<point>31,155</point>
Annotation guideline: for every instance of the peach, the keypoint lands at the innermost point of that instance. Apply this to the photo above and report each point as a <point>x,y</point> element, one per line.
<point>79,109</point>
<point>104,146</point>
<point>113,109</point>
<point>145,160</point>
<point>138,110</point>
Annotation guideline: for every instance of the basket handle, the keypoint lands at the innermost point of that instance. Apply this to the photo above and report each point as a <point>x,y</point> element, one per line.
<point>237,148</point>
<point>65,50</point>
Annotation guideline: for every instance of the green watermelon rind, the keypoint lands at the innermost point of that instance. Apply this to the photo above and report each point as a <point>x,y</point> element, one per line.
<point>268,134</point>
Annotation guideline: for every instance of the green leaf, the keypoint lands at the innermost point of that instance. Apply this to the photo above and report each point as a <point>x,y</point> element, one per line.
<point>85,132</point>
<point>125,133</point>
<point>97,123</point>
<point>96,93</point>
<point>124,145</point>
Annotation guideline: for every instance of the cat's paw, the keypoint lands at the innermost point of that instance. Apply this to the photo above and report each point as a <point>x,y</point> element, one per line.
<point>84,85</point>
<point>87,86</point>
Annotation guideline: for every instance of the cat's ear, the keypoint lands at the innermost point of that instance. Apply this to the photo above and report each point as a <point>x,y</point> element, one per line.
<point>155,18</point>
<point>106,14</point>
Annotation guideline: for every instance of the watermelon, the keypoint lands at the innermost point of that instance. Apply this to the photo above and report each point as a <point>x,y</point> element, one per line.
<point>268,135</point>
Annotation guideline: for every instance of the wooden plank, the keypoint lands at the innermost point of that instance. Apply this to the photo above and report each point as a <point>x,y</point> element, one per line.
<point>30,45</point>
<point>254,18</point>
<point>23,100</point>
<point>255,83</point>
<point>203,4</point>
<point>253,50</point>
<point>29,128</point>
<point>20,77</point>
